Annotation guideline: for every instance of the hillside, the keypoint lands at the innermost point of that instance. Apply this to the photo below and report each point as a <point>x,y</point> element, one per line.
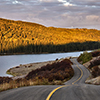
<point>92,62</point>
<point>16,35</point>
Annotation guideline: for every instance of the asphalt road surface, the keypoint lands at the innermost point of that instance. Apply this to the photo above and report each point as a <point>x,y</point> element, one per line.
<point>74,89</point>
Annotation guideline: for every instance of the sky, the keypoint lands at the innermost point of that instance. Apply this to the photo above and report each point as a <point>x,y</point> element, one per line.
<point>55,13</point>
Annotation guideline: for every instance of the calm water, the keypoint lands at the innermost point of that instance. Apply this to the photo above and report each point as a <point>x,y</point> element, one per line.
<point>7,62</point>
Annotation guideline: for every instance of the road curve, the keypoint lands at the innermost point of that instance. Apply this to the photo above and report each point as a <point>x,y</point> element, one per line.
<point>74,89</point>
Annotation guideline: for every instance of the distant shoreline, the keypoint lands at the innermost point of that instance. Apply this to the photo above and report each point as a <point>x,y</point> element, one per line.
<point>3,54</point>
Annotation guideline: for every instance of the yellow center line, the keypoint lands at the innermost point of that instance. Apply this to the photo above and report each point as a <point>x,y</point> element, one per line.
<point>49,96</point>
<point>80,76</point>
<point>52,92</point>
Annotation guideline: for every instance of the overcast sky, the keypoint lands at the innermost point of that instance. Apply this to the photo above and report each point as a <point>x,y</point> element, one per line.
<point>56,13</point>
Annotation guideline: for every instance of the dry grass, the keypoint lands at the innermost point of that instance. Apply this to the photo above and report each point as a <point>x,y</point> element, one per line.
<point>24,82</point>
<point>54,74</point>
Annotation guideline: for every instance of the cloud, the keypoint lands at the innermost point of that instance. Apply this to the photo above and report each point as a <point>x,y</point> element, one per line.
<point>93,18</point>
<point>57,13</point>
<point>48,0</point>
<point>86,2</point>
<point>16,2</point>
<point>65,3</point>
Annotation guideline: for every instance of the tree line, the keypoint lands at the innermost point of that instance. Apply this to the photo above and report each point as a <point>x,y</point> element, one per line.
<point>50,48</point>
<point>18,36</point>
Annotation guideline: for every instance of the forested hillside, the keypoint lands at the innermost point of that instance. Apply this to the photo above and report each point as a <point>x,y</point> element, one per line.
<point>26,37</point>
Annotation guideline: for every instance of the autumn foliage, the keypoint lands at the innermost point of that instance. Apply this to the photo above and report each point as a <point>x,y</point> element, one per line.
<point>26,37</point>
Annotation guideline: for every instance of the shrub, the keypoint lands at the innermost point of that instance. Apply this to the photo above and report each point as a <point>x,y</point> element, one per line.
<point>95,71</point>
<point>95,53</point>
<point>5,80</point>
<point>56,71</point>
<point>94,63</point>
<point>85,57</point>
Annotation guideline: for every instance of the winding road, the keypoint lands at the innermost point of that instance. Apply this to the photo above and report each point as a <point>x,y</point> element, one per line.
<point>74,89</point>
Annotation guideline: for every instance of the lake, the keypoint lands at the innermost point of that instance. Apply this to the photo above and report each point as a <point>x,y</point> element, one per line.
<point>10,61</point>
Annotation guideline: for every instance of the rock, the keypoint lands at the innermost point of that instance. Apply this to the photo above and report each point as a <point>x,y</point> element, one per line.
<point>93,62</point>
<point>95,81</point>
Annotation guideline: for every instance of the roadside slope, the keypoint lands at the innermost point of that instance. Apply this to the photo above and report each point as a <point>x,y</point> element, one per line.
<point>74,89</point>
